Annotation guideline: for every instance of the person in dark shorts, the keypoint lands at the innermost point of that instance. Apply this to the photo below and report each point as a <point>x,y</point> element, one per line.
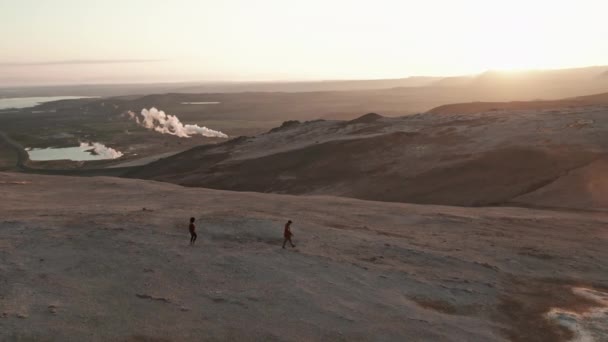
<point>287,234</point>
<point>192,228</point>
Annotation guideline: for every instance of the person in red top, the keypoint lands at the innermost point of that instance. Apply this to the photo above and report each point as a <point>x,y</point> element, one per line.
<point>287,234</point>
<point>192,227</point>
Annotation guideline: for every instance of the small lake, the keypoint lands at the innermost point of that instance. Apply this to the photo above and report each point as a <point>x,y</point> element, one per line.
<point>200,103</point>
<point>84,152</point>
<point>25,102</point>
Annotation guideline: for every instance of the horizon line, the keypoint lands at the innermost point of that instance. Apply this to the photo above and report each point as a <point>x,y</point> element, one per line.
<point>81,61</point>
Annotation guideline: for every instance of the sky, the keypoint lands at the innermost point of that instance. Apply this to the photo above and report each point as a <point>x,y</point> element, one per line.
<point>138,41</point>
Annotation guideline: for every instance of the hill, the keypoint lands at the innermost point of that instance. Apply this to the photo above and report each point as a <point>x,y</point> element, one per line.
<point>473,159</point>
<point>585,188</point>
<point>479,107</point>
<point>102,259</point>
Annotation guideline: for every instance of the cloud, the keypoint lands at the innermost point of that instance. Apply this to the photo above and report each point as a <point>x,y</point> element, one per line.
<point>80,62</point>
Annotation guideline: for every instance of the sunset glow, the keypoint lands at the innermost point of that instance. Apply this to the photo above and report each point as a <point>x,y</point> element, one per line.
<point>68,41</point>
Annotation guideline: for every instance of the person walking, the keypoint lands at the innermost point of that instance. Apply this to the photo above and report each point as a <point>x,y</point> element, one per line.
<point>287,234</point>
<point>192,229</point>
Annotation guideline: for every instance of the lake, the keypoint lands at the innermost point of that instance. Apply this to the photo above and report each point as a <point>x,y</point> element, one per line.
<point>84,152</point>
<point>25,102</point>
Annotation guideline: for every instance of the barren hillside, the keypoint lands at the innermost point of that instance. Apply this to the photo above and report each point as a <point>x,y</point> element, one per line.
<point>442,157</point>
<point>480,107</point>
<point>101,259</point>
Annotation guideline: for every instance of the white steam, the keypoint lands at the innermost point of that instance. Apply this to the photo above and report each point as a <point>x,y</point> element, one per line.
<point>169,124</point>
<point>101,150</point>
<point>588,326</point>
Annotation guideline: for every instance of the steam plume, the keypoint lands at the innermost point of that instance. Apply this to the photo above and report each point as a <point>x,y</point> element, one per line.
<point>101,150</point>
<point>163,123</point>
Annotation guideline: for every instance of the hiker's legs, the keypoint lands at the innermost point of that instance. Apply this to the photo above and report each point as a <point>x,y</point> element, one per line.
<point>285,241</point>
<point>192,238</point>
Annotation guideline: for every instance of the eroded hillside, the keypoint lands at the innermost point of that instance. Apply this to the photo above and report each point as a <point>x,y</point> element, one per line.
<point>476,158</point>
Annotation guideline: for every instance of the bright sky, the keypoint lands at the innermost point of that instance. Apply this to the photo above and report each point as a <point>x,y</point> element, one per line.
<point>73,41</point>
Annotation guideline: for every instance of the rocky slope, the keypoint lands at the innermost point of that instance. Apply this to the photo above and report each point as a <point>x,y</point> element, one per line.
<point>442,157</point>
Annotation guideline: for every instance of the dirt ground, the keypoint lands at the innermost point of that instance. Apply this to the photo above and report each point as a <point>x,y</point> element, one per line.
<point>101,259</point>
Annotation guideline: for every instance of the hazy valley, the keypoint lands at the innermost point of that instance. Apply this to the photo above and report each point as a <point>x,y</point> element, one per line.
<point>450,209</point>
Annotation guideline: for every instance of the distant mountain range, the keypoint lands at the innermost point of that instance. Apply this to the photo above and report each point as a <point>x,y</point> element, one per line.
<point>557,83</point>
<point>479,107</point>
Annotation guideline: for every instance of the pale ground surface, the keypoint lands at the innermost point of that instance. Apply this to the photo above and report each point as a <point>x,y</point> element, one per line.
<point>81,260</point>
